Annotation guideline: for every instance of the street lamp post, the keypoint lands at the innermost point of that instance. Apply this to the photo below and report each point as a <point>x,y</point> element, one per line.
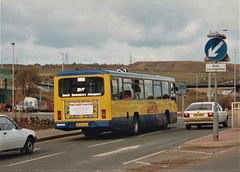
<point>196,86</point>
<point>235,76</point>
<point>13,44</point>
<point>62,60</point>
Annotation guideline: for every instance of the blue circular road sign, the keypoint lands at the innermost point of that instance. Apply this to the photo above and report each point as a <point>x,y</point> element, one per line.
<point>216,49</point>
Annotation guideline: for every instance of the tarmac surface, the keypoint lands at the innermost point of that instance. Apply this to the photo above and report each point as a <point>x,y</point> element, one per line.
<point>191,156</point>
<point>226,138</point>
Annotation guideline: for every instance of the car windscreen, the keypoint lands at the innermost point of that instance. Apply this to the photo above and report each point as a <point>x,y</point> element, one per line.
<point>199,107</point>
<point>81,87</point>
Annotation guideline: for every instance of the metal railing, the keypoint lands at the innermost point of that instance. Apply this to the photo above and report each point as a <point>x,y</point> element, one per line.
<point>235,115</point>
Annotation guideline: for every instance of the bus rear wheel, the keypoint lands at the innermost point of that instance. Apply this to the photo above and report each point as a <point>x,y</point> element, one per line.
<point>135,125</point>
<point>91,133</point>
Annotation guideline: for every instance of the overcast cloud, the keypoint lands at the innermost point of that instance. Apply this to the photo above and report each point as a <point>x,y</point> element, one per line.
<point>110,31</point>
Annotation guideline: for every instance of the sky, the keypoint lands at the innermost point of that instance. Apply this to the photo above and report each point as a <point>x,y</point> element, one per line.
<point>114,31</point>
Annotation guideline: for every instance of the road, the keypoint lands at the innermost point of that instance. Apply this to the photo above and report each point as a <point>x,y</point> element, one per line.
<point>110,152</point>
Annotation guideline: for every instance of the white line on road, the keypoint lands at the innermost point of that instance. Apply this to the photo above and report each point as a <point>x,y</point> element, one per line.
<point>177,128</point>
<point>143,163</point>
<point>47,156</point>
<point>100,144</point>
<point>128,162</point>
<point>197,152</point>
<point>116,151</point>
<point>142,135</point>
<point>36,149</point>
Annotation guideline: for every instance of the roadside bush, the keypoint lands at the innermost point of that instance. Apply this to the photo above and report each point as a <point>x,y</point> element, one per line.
<point>34,123</point>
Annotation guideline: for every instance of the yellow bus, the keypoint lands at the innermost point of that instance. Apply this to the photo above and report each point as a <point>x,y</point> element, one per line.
<point>102,100</point>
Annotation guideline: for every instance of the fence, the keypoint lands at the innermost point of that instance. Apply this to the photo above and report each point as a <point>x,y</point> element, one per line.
<point>235,115</point>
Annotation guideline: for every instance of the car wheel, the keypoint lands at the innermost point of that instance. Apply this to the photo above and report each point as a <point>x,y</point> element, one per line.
<point>188,127</point>
<point>28,147</point>
<point>225,123</point>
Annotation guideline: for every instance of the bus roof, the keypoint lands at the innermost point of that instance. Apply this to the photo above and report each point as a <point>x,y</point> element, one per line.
<point>111,72</point>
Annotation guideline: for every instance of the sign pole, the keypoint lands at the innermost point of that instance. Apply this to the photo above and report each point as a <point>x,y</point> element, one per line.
<point>182,105</point>
<point>215,116</point>
<point>209,87</point>
<point>216,50</point>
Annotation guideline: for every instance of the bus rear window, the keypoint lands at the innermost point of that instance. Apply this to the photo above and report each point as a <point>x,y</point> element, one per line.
<point>81,87</point>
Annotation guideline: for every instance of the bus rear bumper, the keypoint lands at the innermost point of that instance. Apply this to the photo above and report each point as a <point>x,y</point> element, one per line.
<point>82,124</point>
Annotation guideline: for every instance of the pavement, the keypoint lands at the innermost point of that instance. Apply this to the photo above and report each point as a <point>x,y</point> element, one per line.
<point>49,134</point>
<point>227,137</point>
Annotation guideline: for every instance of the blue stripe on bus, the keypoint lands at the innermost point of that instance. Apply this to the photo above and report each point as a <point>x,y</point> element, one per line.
<point>119,122</point>
<point>72,125</point>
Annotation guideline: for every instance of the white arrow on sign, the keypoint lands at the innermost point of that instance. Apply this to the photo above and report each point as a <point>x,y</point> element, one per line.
<point>212,52</point>
<point>116,151</point>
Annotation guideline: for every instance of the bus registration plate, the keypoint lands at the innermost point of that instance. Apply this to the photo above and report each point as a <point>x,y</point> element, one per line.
<point>81,124</point>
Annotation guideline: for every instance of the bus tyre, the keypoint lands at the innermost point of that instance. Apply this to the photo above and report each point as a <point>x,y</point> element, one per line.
<point>135,125</point>
<point>166,122</point>
<point>167,119</point>
<point>91,133</point>
<point>188,127</point>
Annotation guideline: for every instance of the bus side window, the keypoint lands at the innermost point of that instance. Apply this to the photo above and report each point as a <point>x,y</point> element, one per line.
<point>114,89</point>
<point>128,88</point>
<point>157,90</point>
<point>148,89</point>
<point>165,90</point>
<point>173,92</point>
<point>138,90</point>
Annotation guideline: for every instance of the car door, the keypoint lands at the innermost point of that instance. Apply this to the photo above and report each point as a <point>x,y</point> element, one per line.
<point>12,136</point>
<point>221,117</point>
<point>1,139</point>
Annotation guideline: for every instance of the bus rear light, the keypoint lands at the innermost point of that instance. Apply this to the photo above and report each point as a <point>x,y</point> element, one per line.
<point>210,114</point>
<point>103,113</point>
<point>59,115</point>
<point>186,115</point>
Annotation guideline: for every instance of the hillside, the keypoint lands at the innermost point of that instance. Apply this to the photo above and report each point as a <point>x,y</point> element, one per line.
<point>174,66</point>
<point>181,70</point>
<point>186,71</point>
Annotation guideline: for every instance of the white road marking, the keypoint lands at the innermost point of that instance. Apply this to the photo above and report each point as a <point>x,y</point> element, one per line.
<point>207,153</point>
<point>177,128</point>
<point>128,162</point>
<point>116,151</point>
<point>100,144</point>
<point>142,135</point>
<point>22,162</point>
<point>143,163</point>
<point>36,149</point>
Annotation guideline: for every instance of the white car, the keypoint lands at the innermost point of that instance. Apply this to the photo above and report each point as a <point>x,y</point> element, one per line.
<point>201,113</point>
<point>13,137</point>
